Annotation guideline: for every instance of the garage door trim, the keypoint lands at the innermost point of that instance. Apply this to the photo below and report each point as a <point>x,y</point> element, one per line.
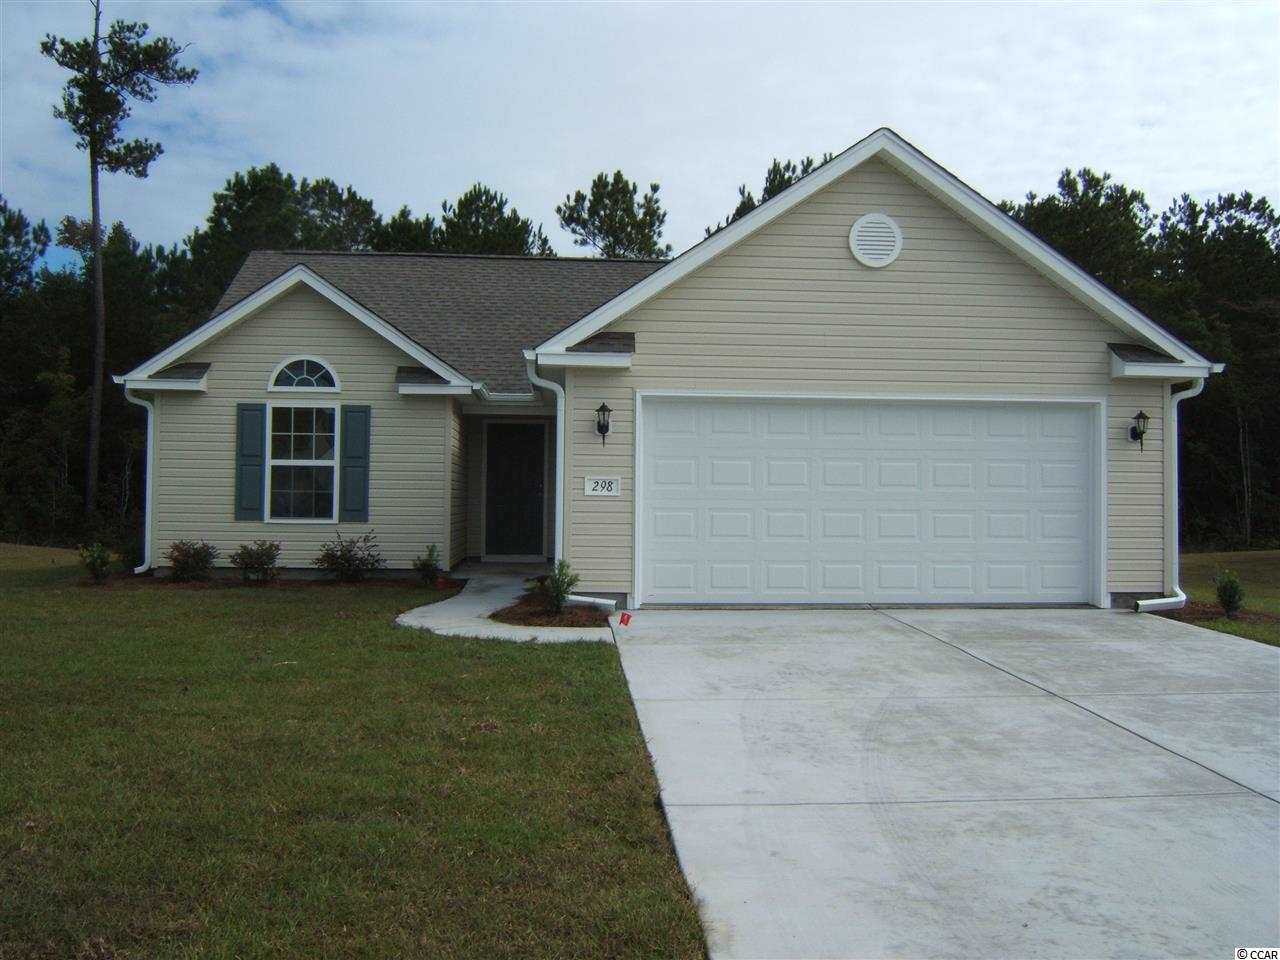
<point>1100,596</point>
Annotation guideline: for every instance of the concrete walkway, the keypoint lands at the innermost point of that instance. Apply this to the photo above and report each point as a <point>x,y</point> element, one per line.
<point>965,783</point>
<point>467,614</point>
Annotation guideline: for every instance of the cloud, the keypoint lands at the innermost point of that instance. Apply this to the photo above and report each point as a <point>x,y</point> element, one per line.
<point>413,103</point>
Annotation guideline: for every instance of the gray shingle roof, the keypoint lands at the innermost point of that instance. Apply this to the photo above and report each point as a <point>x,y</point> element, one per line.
<point>476,313</point>
<point>183,371</point>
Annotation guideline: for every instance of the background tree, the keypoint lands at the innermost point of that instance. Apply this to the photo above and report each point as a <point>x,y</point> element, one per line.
<point>613,221</point>
<point>1210,274</point>
<point>22,243</point>
<point>779,176</point>
<point>480,223</point>
<point>404,233</point>
<point>95,102</point>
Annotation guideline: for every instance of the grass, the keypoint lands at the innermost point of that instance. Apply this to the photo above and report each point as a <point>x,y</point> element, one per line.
<point>1259,572</point>
<point>281,772</point>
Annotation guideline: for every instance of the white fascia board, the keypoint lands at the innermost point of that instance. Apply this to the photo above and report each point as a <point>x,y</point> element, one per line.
<point>434,390</point>
<point>276,288</point>
<point>934,179</point>
<point>612,361</point>
<point>142,383</point>
<point>1163,371</point>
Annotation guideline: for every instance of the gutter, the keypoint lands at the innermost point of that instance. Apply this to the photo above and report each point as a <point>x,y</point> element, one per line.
<point>149,406</point>
<point>531,368</point>
<point>1178,599</point>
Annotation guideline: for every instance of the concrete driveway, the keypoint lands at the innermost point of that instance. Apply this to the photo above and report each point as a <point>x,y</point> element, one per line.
<point>965,783</point>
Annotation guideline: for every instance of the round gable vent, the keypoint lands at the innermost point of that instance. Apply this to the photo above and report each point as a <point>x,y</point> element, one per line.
<point>875,240</point>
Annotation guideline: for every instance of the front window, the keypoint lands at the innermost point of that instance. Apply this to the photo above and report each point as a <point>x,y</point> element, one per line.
<point>304,373</point>
<point>303,444</point>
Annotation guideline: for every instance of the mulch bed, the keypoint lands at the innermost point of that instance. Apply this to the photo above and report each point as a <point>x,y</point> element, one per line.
<point>1197,610</point>
<point>531,611</point>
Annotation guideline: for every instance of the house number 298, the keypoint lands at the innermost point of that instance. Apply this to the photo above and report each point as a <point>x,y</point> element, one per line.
<point>603,486</point>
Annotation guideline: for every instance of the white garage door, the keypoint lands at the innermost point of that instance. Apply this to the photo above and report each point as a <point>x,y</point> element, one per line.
<point>773,501</point>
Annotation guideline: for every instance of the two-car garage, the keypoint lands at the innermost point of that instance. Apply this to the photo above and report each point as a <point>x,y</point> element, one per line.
<point>777,500</point>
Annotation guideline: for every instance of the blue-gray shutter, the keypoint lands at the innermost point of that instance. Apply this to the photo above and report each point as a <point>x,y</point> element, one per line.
<point>251,460</point>
<point>354,487</point>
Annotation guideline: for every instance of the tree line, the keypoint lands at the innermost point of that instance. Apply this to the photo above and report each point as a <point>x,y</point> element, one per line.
<point>1209,272</point>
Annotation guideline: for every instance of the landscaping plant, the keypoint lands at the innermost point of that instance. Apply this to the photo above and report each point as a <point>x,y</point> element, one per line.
<point>97,560</point>
<point>350,558</point>
<point>257,562</point>
<point>428,566</point>
<point>557,585</point>
<point>1230,593</point>
<point>189,560</point>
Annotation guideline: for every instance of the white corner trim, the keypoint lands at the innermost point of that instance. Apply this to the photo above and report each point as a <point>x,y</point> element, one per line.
<point>150,483</point>
<point>434,389</point>
<point>1167,371</point>
<point>143,383</point>
<point>271,380</point>
<point>557,391</point>
<point>276,288</point>
<point>933,178</point>
<point>559,358</point>
<point>1177,599</point>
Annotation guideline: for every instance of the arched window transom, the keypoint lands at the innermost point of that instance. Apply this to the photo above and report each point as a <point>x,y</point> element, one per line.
<point>304,373</point>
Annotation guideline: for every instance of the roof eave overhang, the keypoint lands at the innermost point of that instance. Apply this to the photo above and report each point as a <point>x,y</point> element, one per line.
<point>160,384</point>
<point>906,159</point>
<point>597,361</point>
<point>1131,369</point>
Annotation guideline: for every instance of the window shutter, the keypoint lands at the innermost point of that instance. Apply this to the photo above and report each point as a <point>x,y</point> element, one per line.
<point>354,488</point>
<point>251,457</point>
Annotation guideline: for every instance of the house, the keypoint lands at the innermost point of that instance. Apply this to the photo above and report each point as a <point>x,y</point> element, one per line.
<point>875,387</point>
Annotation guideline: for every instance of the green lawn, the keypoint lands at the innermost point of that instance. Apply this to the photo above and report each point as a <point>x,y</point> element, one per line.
<point>1259,572</point>
<point>282,772</point>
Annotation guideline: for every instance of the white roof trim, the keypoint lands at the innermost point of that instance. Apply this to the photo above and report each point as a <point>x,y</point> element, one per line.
<point>911,162</point>
<point>277,287</point>
<point>1164,371</point>
<point>130,382</point>
<point>435,389</point>
<point>556,358</point>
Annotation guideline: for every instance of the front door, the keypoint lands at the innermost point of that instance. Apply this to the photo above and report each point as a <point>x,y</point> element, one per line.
<point>513,498</point>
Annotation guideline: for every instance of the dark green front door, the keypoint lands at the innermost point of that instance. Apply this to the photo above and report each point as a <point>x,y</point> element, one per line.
<point>514,471</point>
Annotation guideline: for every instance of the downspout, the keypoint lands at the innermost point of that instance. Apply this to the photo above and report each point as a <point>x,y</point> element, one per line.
<point>149,406</point>
<point>531,368</point>
<point>1178,600</point>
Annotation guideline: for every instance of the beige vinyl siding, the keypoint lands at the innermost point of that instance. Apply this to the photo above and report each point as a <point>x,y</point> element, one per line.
<point>195,436</point>
<point>788,310</point>
<point>459,441</point>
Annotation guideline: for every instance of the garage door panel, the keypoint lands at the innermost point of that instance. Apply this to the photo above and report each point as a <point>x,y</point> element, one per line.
<point>761,501</point>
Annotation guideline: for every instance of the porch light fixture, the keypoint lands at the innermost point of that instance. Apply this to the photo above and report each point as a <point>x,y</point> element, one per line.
<point>602,421</point>
<point>1139,428</point>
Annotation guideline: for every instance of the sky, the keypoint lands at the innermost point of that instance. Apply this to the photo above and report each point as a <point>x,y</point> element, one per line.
<point>411,103</point>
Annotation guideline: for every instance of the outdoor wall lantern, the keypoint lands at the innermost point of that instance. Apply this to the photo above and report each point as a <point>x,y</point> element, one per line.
<point>1139,428</point>
<point>602,421</point>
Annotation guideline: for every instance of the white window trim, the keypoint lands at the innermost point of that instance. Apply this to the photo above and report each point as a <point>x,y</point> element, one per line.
<point>333,405</point>
<point>271,380</point>
<point>1100,595</point>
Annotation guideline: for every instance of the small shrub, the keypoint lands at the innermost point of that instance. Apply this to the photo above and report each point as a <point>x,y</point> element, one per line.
<point>259,561</point>
<point>189,560</point>
<point>349,559</point>
<point>1230,592</point>
<point>557,585</point>
<point>428,566</point>
<point>97,560</point>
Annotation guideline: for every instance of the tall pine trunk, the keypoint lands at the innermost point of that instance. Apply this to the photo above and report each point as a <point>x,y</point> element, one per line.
<point>99,301</point>
<point>99,348</point>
